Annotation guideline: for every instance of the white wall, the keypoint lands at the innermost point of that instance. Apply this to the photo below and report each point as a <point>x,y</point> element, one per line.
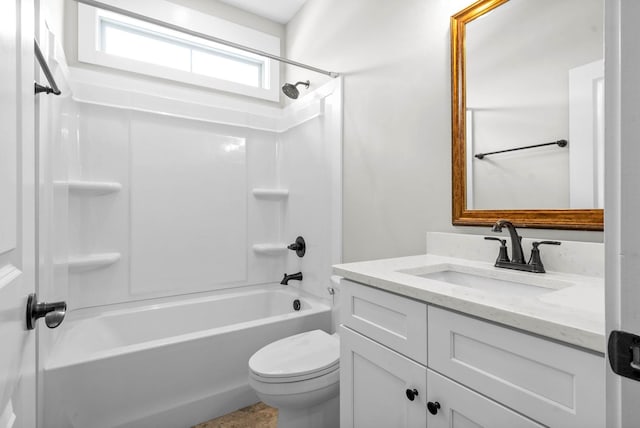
<point>53,12</point>
<point>395,59</point>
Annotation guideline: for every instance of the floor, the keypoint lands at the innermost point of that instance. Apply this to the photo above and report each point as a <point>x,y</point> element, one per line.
<point>258,415</point>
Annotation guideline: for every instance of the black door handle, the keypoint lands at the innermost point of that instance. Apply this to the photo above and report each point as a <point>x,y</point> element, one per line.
<point>53,313</point>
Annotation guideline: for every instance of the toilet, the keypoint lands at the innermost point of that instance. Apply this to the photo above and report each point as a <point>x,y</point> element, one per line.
<point>300,376</point>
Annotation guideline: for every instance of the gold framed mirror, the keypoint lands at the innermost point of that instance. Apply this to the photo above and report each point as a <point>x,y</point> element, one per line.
<point>561,195</point>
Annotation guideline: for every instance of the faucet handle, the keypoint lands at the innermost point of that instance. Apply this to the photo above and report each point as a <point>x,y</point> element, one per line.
<point>493,238</point>
<point>300,247</point>
<point>503,256</point>
<point>536,244</point>
<point>535,261</point>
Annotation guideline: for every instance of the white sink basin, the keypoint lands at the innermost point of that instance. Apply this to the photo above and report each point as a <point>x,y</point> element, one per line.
<point>492,281</point>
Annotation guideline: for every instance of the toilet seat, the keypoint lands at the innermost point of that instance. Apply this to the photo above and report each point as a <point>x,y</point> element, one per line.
<point>326,382</point>
<point>288,379</point>
<point>296,358</point>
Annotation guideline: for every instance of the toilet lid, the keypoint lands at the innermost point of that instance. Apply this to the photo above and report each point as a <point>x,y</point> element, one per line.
<point>294,356</point>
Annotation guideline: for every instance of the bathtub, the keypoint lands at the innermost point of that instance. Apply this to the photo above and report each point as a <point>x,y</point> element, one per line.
<point>170,364</point>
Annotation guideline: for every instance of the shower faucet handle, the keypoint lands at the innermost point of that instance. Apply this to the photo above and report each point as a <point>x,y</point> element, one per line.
<point>300,247</point>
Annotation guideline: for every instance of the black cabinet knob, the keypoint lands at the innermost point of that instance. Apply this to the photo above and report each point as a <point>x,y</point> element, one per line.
<point>433,407</point>
<point>411,394</point>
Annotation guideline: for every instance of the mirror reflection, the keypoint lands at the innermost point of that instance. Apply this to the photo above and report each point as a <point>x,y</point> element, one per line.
<point>534,77</point>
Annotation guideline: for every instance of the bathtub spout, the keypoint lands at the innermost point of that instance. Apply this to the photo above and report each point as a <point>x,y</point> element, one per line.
<point>287,278</point>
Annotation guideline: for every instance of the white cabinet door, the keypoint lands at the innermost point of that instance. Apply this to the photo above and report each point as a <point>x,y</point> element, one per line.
<point>460,407</point>
<point>373,386</point>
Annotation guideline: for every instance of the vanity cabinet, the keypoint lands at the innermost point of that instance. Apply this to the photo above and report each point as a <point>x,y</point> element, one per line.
<point>480,373</point>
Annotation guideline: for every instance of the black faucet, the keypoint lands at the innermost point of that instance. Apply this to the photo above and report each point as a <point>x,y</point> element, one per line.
<point>287,278</point>
<point>517,261</point>
<point>516,246</point>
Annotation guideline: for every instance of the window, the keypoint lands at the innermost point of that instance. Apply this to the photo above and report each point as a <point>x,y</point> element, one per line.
<point>117,41</point>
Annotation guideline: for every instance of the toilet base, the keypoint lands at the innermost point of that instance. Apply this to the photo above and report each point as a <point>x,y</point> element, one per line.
<point>325,415</point>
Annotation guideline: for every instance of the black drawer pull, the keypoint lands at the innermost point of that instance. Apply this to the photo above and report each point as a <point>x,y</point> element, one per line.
<point>411,394</point>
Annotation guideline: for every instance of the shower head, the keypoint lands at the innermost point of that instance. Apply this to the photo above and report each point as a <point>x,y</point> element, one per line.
<point>291,90</point>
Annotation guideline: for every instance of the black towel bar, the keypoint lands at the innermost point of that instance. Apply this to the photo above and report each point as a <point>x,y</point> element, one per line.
<point>561,143</point>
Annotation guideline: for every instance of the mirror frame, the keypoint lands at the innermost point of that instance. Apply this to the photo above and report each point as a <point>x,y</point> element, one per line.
<point>578,219</point>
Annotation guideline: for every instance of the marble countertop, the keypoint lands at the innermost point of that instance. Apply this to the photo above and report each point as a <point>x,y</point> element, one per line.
<point>572,311</point>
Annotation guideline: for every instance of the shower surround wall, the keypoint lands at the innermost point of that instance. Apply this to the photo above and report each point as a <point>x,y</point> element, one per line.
<point>181,222</point>
<point>182,209</point>
<point>148,200</point>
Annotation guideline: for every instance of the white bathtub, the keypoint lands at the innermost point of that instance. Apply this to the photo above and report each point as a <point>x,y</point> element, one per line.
<point>171,364</point>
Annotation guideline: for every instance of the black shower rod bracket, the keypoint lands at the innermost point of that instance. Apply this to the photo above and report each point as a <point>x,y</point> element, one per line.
<point>38,88</point>
<point>560,143</point>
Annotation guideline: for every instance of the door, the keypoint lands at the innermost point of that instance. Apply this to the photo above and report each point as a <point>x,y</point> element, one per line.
<point>379,388</point>
<point>622,201</point>
<point>17,214</point>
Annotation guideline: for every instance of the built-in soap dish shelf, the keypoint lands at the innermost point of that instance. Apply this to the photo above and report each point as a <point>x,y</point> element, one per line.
<point>92,188</point>
<point>87,262</point>
<point>271,194</point>
<point>270,249</point>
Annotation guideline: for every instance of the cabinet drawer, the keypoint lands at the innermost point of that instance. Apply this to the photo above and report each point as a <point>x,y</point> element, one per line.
<point>554,384</point>
<point>460,407</point>
<point>373,385</point>
<point>397,322</point>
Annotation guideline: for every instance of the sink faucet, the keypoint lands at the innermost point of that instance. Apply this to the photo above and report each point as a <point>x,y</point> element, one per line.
<point>287,278</point>
<point>516,247</point>
<point>517,262</point>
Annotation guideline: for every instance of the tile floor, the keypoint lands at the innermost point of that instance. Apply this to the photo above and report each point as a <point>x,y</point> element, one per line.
<point>258,415</point>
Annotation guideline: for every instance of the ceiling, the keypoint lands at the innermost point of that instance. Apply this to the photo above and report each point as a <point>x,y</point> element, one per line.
<point>276,10</point>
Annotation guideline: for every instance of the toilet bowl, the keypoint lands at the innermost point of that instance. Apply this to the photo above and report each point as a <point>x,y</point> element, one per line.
<point>300,376</point>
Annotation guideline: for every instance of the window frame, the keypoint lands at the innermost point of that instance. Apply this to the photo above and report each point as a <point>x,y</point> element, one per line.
<point>89,51</point>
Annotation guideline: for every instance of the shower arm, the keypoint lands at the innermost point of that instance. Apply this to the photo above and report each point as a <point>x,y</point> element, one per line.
<point>130,14</point>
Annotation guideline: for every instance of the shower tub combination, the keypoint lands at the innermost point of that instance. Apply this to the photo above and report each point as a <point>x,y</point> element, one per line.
<point>170,364</point>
